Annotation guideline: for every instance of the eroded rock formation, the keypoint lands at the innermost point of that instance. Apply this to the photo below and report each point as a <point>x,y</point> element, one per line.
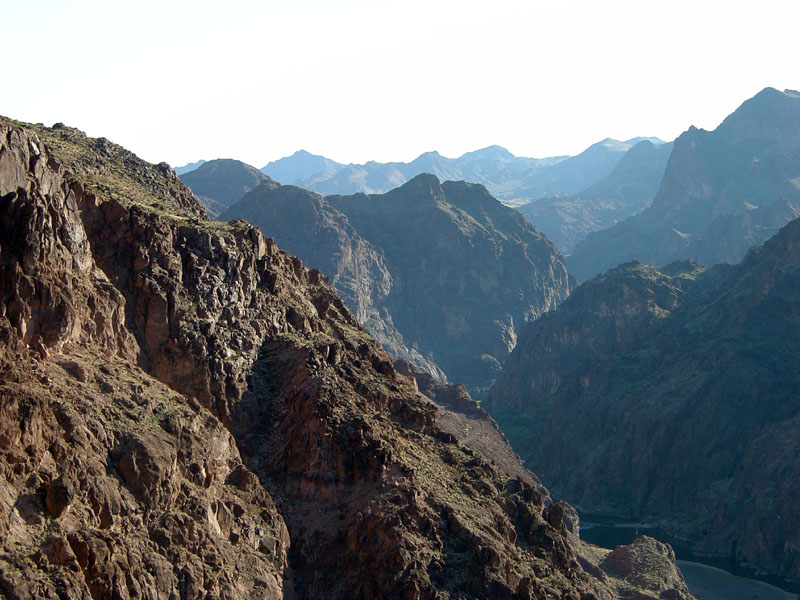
<point>189,412</point>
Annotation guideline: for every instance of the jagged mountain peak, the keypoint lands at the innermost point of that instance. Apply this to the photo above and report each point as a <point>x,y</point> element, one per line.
<point>221,182</point>
<point>770,114</point>
<point>422,187</point>
<point>703,209</point>
<point>494,152</point>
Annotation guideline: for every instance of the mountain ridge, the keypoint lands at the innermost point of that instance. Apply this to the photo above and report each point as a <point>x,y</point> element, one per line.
<point>221,182</point>
<point>628,189</point>
<point>423,240</point>
<point>749,161</point>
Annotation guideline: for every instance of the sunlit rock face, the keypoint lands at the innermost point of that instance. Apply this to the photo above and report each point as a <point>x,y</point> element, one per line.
<point>188,411</point>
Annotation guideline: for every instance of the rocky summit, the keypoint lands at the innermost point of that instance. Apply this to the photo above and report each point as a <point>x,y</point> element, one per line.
<point>442,274</point>
<point>220,183</point>
<point>189,412</point>
<point>722,192</point>
<point>669,395</point>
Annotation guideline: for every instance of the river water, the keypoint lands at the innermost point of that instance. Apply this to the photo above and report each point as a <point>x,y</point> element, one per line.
<point>710,583</point>
<point>705,582</point>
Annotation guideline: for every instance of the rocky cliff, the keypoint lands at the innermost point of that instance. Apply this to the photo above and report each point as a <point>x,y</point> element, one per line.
<point>712,199</point>
<point>442,273</point>
<point>189,412</point>
<point>306,225</point>
<point>670,394</point>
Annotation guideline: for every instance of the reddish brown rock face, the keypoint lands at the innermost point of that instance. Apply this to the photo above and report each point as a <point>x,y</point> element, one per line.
<point>186,411</point>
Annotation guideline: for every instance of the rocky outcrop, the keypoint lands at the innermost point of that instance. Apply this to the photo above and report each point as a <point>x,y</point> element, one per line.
<point>667,395</point>
<point>452,271</point>
<point>645,570</point>
<point>713,190</point>
<point>113,484</point>
<point>198,414</point>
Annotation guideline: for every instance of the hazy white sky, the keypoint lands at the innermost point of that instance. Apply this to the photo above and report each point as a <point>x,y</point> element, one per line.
<point>387,80</point>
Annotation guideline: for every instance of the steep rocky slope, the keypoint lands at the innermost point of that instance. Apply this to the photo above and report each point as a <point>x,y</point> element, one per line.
<point>627,190</point>
<point>189,412</point>
<point>704,209</point>
<point>441,268</point>
<point>306,225</point>
<point>114,485</point>
<point>671,395</point>
<point>220,183</point>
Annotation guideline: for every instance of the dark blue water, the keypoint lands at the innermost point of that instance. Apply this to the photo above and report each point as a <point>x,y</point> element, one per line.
<point>710,580</point>
<point>710,583</point>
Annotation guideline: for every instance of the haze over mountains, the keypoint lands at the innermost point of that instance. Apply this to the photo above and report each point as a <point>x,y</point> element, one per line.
<point>507,176</point>
<point>539,187</point>
<point>722,191</point>
<point>627,190</point>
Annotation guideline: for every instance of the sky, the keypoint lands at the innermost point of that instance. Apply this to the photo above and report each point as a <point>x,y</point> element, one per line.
<point>385,80</point>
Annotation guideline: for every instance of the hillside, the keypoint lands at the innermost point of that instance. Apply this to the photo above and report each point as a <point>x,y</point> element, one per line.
<point>669,395</point>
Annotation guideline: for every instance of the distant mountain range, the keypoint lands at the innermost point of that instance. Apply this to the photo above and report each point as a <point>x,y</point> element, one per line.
<point>543,188</point>
<point>628,189</point>
<point>722,191</point>
<point>508,177</point>
<point>301,166</point>
<point>188,167</point>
